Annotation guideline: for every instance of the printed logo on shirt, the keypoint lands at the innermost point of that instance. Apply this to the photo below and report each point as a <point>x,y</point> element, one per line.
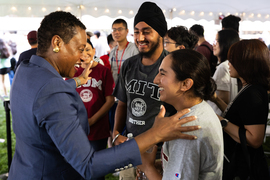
<point>138,107</point>
<point>86,95</point>
<point>136,122</point>
<point>177,175</point>
<point>94,84</point>
<point>139,88</point>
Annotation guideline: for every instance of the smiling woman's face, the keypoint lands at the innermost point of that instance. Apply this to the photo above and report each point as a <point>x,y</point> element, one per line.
<point>166,80</point>
<point>71,53</point>
<point>88,53</point>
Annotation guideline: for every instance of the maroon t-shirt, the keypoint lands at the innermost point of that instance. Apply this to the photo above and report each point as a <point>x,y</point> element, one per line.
<point>93,95</point>
<point>205,51</point>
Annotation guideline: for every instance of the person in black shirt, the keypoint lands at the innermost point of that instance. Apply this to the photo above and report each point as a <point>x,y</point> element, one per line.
<point>26,55</point>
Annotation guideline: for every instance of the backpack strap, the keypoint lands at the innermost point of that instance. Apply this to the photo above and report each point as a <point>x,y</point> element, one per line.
<point>207,47</point>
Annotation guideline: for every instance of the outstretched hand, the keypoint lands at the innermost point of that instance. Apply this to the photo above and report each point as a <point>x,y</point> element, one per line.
<point>170,128</point>
<point>166,129</point>
<point>84,77</point>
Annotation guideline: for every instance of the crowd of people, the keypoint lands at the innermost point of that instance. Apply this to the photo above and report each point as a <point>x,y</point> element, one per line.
<point>195,110</point>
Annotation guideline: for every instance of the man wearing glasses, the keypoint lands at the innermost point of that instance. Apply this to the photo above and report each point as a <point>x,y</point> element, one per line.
<point>123,50</point>
<point>179,38</point>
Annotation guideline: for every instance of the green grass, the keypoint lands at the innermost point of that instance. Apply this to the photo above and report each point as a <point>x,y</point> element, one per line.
<point>3,146</point>
<point>111,177</point>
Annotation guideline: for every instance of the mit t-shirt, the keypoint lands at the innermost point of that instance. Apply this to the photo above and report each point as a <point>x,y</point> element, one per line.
<point>135,87</point>
<point>93,95</point>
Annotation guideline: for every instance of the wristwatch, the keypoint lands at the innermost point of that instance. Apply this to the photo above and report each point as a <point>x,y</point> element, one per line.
<point>224,122</point>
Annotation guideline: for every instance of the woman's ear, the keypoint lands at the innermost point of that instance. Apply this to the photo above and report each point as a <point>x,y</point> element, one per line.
<point>56,41</point>
<point>186,84</point>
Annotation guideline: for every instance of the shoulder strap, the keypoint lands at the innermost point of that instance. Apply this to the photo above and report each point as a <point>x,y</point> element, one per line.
<point>206,46</point>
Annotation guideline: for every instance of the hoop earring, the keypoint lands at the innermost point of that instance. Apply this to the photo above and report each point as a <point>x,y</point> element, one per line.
<point>56,49</point>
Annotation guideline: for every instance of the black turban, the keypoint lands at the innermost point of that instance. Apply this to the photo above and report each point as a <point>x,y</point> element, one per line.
<point>152,15</point>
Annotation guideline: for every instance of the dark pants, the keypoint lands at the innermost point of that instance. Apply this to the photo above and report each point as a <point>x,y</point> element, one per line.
<point>112,116</point>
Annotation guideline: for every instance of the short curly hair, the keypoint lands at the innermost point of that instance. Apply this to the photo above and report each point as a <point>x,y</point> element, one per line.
<point>59,23</point>
<point>181,36</point>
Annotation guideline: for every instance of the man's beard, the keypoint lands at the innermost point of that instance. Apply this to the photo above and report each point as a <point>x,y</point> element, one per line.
<point>151,51</point>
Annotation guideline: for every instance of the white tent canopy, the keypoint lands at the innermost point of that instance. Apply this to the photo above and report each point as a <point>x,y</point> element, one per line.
<point>23,16</point>
<point>26,15</point>
<point>195,9</point>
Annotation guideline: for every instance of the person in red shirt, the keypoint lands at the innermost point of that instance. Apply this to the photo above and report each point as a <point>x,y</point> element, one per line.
<point>105,58</point>
<point>97,97</point>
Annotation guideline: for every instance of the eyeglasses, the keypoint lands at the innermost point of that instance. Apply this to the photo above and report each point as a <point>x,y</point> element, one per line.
<point>215,42</point>
<point>118,29</point>
<point>168,42</point>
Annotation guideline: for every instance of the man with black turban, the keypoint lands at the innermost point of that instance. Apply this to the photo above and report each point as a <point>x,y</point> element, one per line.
<point>138,96</point>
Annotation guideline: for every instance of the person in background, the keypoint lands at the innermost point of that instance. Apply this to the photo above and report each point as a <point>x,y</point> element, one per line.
<point>13,47</point>
<point>89,35</point>
<point>204,47</point>
<point>246,116</point>
<point>231,22</point>
<point>123,50</point>
<point>26,55</point>
<point>50,120</point>
<point>4,65</point>
<point>95,58</point>
<point>179,38</point>
<point>184,81</point>
<point>105,58</point>
<point>98,43</point>
<point>97,97</point>
<point>227,87</point>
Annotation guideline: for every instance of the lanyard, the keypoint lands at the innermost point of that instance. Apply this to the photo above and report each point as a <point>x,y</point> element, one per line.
<point>121,57</point>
